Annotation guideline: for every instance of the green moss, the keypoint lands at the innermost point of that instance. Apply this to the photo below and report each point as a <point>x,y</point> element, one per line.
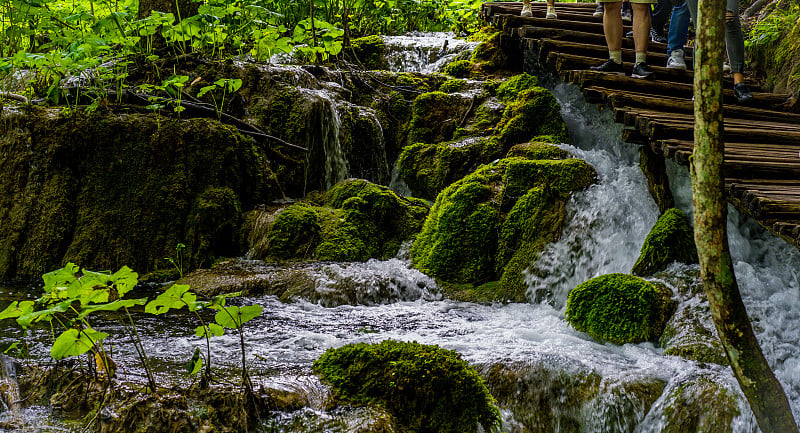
<point>452,86</point>
<point>370,51</point>
<point>425,388</point>
<point>511,88</point>
<point>432,119</point>
<point>293,233</point>
<point>700,404</point>
<point>429,168</point>
<point>488,53</point>
<point>620,308</point>
<point>491,224</point>
<point>213,225</point>
<point>535,112</point>
<point>459,68</point>
<point>538,148</point>
<point>670,240</point>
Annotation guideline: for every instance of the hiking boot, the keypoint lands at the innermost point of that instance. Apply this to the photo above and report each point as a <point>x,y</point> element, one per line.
<point>551,13</point>
<point>609,66</point>
<point>641,70</point>
<point>526,10</point>
<point>742,93</point>
<point>675,60</point>
<point>655,37</point>
<point>598,12</point>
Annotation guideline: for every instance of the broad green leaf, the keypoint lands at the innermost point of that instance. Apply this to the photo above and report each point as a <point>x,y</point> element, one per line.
<point>111,306</point>
<point>16,309</point>
<point>200,94</point>
<point>124,280</point>
<point>233,317</point>
<point>26,319</point>
<point>195,364</point>
<point>211,330</point>
<point>171,298</point>
<point>73,342</point>
<point>63,277</point>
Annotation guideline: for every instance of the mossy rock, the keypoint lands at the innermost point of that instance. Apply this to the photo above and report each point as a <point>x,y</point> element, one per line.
<point>429,168</point>
<point>425,388</point>
<point>670,240</point>
<point>354,221</point>
<point>370,52</point>
<point>691,333</point>
<point>433,118</point>
<point>699,404</point>
<point>502,213</point>
<point>452,86</point>
<point>533,113</point>
<point>459,68</point>
<point>107,190</point>
<point>538,148</point>
<point>489,55</point>
<point>620,308</point>
<point>510,89</point>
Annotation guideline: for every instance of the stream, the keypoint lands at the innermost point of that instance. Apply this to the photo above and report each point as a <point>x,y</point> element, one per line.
<point>606,226</point>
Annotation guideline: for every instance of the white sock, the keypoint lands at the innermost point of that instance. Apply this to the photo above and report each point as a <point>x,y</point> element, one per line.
<point>641,57</point>
<point>616,56</point>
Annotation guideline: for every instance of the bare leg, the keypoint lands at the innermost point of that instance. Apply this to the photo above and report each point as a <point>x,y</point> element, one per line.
<point>641,26</point>
<point>612,25</point>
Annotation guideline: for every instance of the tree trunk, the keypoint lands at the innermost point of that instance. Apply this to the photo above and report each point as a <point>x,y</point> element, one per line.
<point>762,390</point>
<point>181,9</point>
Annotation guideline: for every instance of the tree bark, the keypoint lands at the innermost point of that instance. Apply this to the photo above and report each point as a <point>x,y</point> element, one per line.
<point>757,381</point>
<point>179,8</point>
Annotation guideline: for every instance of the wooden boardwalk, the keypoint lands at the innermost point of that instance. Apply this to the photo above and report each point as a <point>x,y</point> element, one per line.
<point>762,148</point>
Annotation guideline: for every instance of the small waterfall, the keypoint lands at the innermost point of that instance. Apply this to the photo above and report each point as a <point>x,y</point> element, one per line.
<point>424,52</point>
<point>323,136</point>
<point>9,388</point>
<point>397,185</point>
<point>607,223</point>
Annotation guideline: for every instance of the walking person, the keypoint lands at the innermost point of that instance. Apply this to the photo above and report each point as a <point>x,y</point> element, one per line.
<point>677,36</point>
<point>612,27</point>
<point>551,9</point>
<point>734,42</point>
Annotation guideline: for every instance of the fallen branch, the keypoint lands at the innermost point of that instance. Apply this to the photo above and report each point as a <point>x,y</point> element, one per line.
<point>13,96</point>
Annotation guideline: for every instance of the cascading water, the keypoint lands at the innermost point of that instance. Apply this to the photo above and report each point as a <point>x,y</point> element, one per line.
<point>424,52</point>
<point>325,136</point>
<point>564,377</point>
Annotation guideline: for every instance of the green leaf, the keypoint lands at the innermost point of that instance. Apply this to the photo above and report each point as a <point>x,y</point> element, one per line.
<point>211,330</point>
<point>26,319</point>
<point>171,298</point>
<point>17,309</point>
<point>195,364</point>
<point>124,280</point>
<point>73,342</point>
<point>111,306</point>
<point>234,317</point>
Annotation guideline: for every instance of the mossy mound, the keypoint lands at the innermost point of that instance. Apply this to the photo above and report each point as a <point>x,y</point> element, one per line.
<point>107,190</point>
<point>670,240</point>
<point>434,118</point>
<point>425,388</point>
<point>370,51</point>
<point>534,112</point>
<point>353,221</point>
<point>459,68</point>
<point>620,308</point>
<point>501,214</point>
<point>699,404</point>
<point>691,335</point>
<point>489,56</point>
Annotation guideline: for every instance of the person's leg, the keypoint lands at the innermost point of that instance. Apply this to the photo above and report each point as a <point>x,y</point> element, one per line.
<point>678,28</point>
<point>526,8</point>
<point>551,10</point>
<point>641,28</point>
<point>734,41</point>
<point>661,13</point>
<point>612,28</point>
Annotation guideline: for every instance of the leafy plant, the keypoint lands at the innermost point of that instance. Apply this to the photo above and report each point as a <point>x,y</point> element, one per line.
<point>228,85</point>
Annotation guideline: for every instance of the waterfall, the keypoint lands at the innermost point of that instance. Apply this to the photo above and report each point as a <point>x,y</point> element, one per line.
<point>9,388</point>
<point>323,136</point>
<point>424,52</point>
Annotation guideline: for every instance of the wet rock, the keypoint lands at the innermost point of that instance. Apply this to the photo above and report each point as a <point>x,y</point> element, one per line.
<point>425,388</point>
<point>108,190</point>
<point>329,284</point>
<point>670,240</point>
<point>369,52</point>
<point>552,394</point>
<point>620,308</point>
<point>491,224</point>
<point>354,221</point>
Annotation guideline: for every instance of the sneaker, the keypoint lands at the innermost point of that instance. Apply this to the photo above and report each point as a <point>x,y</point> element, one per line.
<point>742,93</point>
<point>598,12</point>
<point>551,13</point>
<point>526,10</point>
<point>726,67</point>
<point>609,66</point>
<point>655,37</point>
<point>627,12</point>
<point>641,70</point>
<point>675,60</point>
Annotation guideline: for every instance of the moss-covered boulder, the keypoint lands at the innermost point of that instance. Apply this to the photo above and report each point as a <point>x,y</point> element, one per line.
<point>369,51</point>
<point>454,143</point>
<point>490,224</point>
<point>670,240</point>
<point>620,308</point>
<point>353,221</point>
<point>108,190</point>
<point>425,388</point>
<point>699,403</point>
